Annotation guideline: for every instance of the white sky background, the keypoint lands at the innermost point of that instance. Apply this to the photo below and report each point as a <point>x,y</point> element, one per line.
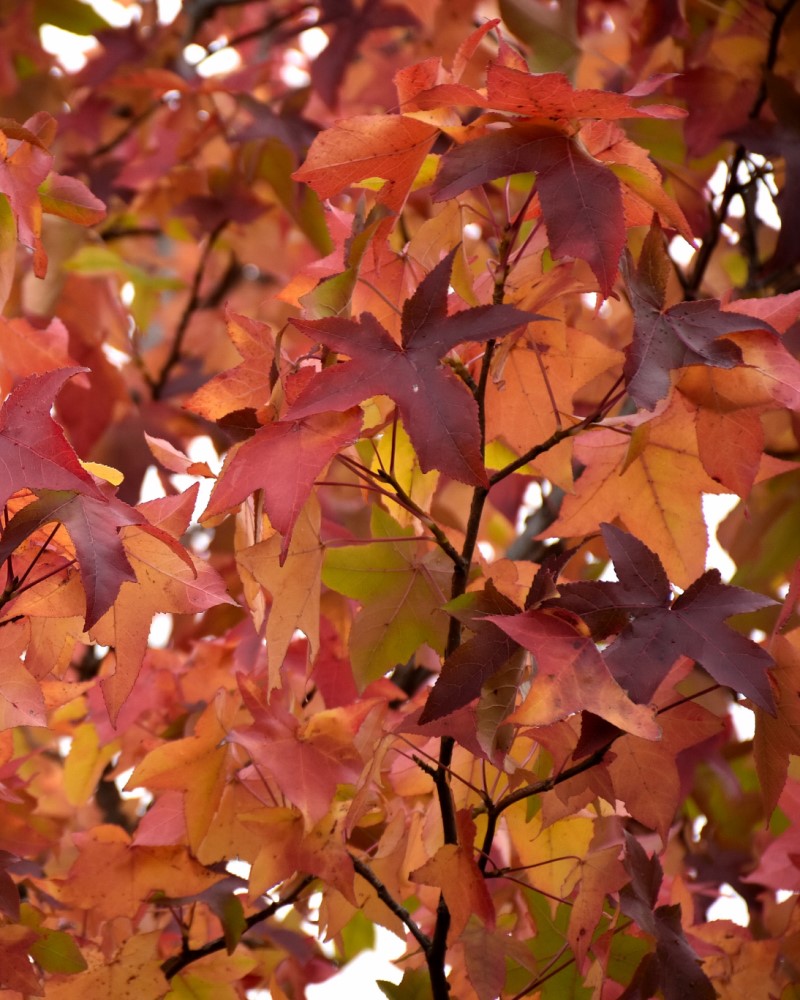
<point>359,976</point>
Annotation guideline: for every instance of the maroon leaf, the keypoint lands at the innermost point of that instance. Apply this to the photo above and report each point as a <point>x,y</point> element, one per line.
<point>438,410</point>
<point>651,634</point>
<point>571,675</point>
<point>34,453</point>
<point>93,526</point>
<point>303,446</point>
<point>353,24</point>
<point>685,334</point>
<point>473,663</point>
<point>676,968</point>
<point>581,199</point>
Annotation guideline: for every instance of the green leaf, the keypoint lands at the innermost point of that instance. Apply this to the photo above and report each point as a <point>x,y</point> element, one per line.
<point>357,935</point>
<point>400,585</point>
<point>8,249</point>
<point>70,15</point>
<point>56,951</point>
<point>233,922</point>
<point>415,985</point>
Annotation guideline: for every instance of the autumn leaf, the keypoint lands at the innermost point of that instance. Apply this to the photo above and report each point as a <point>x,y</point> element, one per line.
<point>477,658</point>
<point>291,577</point>
<point>438,411</point>
<point>676,968</point>
<point>113,878</point>
<point>454,870</point>
<point>351,25</point>
<point>777,736</point>
<point>21,699</point>
<point>581,198</point>
<point>645,773</point>
<point>248,384</point>
<point>652,630</point>
<point>197,766</point>
<point>307,761</point>
<point>392,147</point>
<point>397,582</point>
<point>33,449</point>
<point>165,581</point>
<point>632,476</point>
<point>17,971</point>
<point>571,675</point>
<point>552,96</point>
<point>70,199</point>
<point>24,165</point>
<point>93,527</point>
<point>306,445</point>
<point>134,971</point>
<point>684,334</point>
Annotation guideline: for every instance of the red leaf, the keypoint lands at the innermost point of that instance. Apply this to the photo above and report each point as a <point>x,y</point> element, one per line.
<point>551,95</point>
<point>71,199</point>
<point>581,198</point>
<point>465,671</point>
<point>651,634</point>
<point>571,676</point>
<point>34,453</point>
<point>438,410</point>
<point>93,527</point>
<point>305,447</point>
<point>390,146</point>
<point>685,334</point>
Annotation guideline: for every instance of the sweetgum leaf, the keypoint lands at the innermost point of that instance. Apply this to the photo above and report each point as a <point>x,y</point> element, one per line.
<point>438,411</point>
<point>571,675</point>
<point>283,459</point>
<point>652,631</point>
<point>551,95</point>
<point>34,453</point>
<point>581,198</point>
<point>93,527</point>
<point>685,334</point>
<point>475,660</point>
<point>393,147</point>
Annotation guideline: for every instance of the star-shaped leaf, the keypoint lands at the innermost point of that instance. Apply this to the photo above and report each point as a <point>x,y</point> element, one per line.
<point>571,675</point>
<point>652,630</point>
<point>34,453</point>
<point>93,527</point>
<point>247,385</point>
<point>438,411</point>
<point>581,198</point>
<point>299,450</point>
<point>476,659</point>
<point>685,334</point>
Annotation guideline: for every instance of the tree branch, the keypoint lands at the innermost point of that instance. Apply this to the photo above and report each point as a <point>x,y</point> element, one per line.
<point>172,966</point>
<point>732,185</point>
<point>158,384</point>
<point>397,909</point>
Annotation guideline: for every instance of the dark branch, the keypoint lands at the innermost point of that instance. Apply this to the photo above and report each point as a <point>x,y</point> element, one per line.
<point>172,966</point>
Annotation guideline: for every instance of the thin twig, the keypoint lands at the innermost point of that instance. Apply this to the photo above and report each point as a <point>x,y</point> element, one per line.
<point>172,966</point>
<point>397,909</point>
<point>158,385</point>
<point>442,540</point>
<point>732,185</point>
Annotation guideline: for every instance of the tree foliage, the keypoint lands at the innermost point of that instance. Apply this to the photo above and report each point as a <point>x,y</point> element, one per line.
<point>474,302</point>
